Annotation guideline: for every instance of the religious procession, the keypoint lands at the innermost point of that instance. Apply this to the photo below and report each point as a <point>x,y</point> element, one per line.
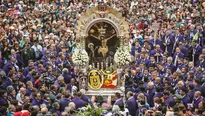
<point>102,58</point>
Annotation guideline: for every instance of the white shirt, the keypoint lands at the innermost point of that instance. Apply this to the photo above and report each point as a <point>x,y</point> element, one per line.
<point>18,97</point>
<point>124,113</point>
<point>37,47</point>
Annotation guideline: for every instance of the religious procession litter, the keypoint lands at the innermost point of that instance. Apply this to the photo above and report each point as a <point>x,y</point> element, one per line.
<point>102,58</point>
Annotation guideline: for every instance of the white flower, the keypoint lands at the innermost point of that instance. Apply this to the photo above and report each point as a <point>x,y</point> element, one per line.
<point>80,57</point>
<point>122,56</point>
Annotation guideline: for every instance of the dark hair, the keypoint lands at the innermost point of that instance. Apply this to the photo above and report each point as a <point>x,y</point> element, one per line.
<point>10,67</point>
<point>72,112</point>
<point>184,90</point>
<point>158,89</point>
<point>117,95</point>
<point>191,86</point>
<point>67,94</point>
<point>166,93</point>
<point>26,106</point>
<point>30,68</point>
<point>2,92</point>
<point>142,88</point>
<point>3,110</point>
<point>197,80</point>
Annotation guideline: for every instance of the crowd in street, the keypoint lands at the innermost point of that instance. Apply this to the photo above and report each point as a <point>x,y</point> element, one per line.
<point>37,76</point>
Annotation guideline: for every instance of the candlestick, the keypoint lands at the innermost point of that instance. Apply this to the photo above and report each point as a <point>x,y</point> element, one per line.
<point>98,66</point>
<point>102,65</point>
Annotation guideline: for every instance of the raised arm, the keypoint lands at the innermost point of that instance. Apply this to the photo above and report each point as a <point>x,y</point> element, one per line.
<point>110,37</point>
<point>94,36</point>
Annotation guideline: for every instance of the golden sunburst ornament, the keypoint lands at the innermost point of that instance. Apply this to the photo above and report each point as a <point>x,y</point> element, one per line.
<point>92,31</point>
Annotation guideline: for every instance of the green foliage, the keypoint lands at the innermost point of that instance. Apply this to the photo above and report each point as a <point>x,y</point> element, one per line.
<point>90,111</point>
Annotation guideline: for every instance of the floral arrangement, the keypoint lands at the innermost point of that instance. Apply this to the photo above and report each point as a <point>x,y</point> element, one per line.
<point>80,57</point>
<point>122,56</point>
<point>90,111</point>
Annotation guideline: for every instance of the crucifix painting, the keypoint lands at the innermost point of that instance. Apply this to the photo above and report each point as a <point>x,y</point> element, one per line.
<point>102,42</point>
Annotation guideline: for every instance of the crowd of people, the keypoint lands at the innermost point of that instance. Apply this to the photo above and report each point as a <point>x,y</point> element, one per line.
<point>37,39</point>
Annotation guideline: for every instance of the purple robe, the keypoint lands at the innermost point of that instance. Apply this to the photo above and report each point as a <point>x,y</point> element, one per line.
<point>167,44</point>
<point>197,101</point>
<point>132,106</point>
<point>79,103</point>
<point>64,102</point>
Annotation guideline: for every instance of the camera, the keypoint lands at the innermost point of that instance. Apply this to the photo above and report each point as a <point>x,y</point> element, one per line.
<point>48,81</point>
<point>44,75</point>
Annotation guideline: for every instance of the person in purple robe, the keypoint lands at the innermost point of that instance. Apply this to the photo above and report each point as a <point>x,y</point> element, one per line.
<point>177,39</point>
<point>119,101</point>
<point>29,89</point>
<point>158,92</point>
<point>56,109</point>
<point>3,98</point>
<point>37,99</point>
<point>29,76</point>
<point>131,104</point>
<point>66,75</point>
<point>202,89</point>
<point>197,84</point>
<point>9,63</point>
<point>178,54</point>
<point>64,102</point>
<point>18,58</point>
<point>157,53</point>
<point>191,91</point>
<point>154,42</point>
<point>184,73</point>
<point>199,73</point>
<point>167,98</point>
<point>201,62</point>
<point>197,99</point>
<point>79,103</point>
<point>46,58</point>
<point>60,59</point>
<point>167,43</point>
<point>60,82</point>
<point>186,99</point>
<point>196,51</point>
<point>142,90</point>
<point>184,49</point>
<point>192,67</point>
<point>136,48</point>
<point>151,92</point>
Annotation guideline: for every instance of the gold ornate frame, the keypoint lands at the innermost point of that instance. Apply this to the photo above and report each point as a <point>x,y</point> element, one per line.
<point>102,13</point>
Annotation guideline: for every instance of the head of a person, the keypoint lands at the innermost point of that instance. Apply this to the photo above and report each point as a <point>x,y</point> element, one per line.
<point>29,84</point>
<point>201,58</point>
<point>129,94</point>
<point>117,96</point>
<point>180,84</point>
<point>169,60</point>
<point>158,47</point>
<point>44,110</point>
<point>166,94</point>
<point>197,82</point>
<point>184,70</point>
<point>178,50</point>
<point>3,93</point>
<point>157,80</point>
<point>35,42</point>
<point>197,94</point>
<point>64,114</point>
<point>183,91</point>
<point>23,91</point>
<point>152,59</point>
<point>150,85</point>
<point>56,105</point>
<point>37,96</point>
